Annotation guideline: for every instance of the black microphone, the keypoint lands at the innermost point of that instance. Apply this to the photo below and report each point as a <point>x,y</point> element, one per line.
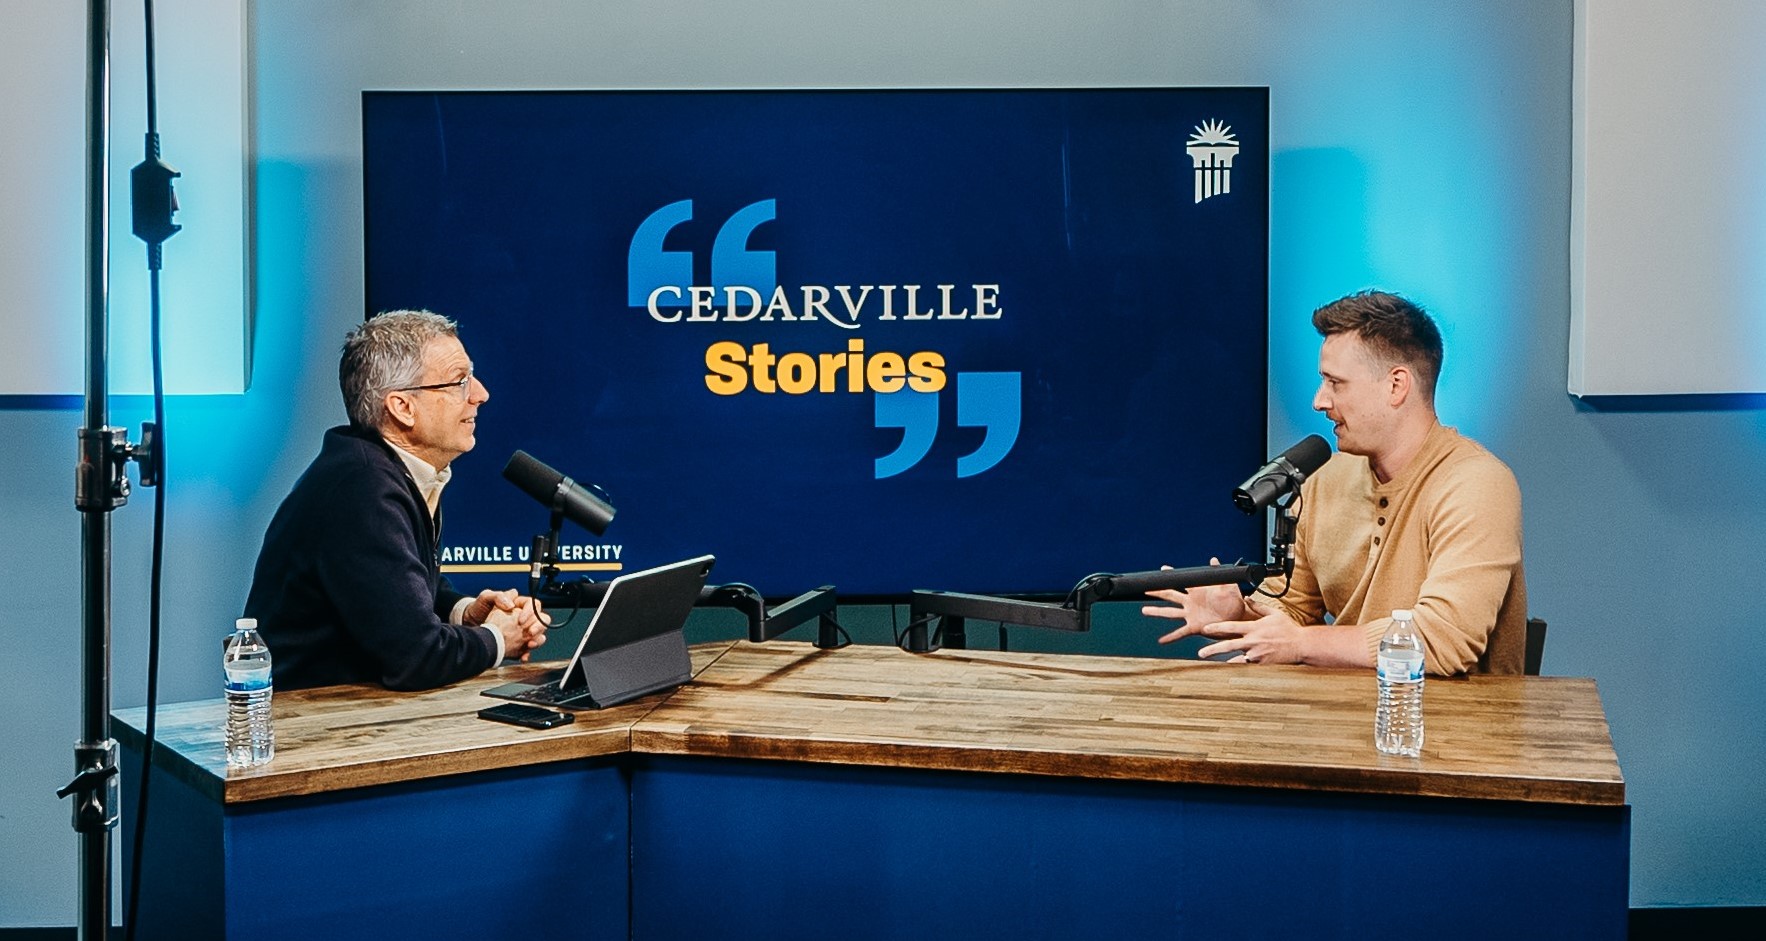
<point>558,492</point>
<point>1282,475</point>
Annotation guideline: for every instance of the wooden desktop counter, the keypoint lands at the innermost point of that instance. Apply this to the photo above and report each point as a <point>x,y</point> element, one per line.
<point>794,792</point>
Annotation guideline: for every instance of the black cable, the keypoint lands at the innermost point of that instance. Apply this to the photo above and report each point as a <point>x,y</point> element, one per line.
<point>150,733</point>
<point>1292,508</point>
<point>1287,584</point>
<point>1072,598</point>
<point>895,627</point>
<point>576,604</point>
<point>152,84</point>
<point>901,637</point>
<point>157,463</point>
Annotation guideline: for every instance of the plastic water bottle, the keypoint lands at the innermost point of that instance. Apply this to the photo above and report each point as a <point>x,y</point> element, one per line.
<point>1398,720</point>
<point>250,738</point>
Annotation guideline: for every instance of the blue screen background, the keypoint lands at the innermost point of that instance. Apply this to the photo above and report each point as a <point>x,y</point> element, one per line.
<point>1135,316</point>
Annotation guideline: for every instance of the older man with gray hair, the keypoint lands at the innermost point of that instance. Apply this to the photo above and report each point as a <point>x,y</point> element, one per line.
<point>348,586</point>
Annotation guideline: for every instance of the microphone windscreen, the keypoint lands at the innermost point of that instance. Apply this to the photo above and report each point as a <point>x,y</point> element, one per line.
<point>1282,475</point>
<point>533,477</point>
<point>554,490</point>
<point>1309,455</point>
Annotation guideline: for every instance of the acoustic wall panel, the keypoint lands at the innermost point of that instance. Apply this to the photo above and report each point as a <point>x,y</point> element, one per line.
<point>201,82</point>
<point>1668,203</point>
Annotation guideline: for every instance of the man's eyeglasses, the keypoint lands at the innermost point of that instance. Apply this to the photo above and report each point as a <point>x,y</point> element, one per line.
<point>462,386</point>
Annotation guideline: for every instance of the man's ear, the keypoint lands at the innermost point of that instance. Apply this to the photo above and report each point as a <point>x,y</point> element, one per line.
<point>401,409</point>
<point>1401,384</point>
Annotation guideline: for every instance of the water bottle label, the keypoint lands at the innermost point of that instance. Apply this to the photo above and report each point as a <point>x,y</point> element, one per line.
<point>247,680</point>
<point>1401,669</point>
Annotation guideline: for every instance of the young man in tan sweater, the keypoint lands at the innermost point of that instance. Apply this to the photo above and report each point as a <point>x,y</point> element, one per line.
<point>1407,514</point>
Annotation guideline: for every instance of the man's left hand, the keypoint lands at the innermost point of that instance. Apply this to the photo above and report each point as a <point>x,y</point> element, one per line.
<point>1273,637</point>
<point>526,610</point>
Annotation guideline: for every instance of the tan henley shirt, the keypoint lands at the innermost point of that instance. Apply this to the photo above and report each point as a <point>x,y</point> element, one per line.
<point>1443,539</point>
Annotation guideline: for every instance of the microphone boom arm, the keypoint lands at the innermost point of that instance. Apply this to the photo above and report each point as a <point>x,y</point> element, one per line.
<point>953,608</point>
<point>1276,485</point>
<point>1135,585</point>
<point>764,623</point>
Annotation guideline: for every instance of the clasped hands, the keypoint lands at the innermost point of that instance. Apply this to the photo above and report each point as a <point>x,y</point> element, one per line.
<point>1257,632</point>
<point>517,617</point>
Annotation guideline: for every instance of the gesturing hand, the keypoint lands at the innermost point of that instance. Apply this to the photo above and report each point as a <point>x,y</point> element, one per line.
<point>1272,637</point>
<point>1198,608</point>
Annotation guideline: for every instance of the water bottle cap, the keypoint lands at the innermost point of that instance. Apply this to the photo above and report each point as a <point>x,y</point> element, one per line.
<point>246,624</point>
<point>1401,614</point>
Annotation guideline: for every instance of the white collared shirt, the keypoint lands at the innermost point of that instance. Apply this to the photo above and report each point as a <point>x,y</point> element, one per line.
<point>428,478</point>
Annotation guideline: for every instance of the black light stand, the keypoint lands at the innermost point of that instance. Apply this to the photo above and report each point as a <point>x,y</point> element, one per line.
<point>100,484</point>
<point>99,487</point>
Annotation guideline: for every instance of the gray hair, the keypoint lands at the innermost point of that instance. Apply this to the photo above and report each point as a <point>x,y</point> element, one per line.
<point>383,354</point>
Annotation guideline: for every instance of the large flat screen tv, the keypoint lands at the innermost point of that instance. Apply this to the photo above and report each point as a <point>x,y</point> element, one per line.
<point>975,340</point>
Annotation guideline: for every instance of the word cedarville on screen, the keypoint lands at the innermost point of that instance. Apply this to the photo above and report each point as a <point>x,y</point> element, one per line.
<point>963,362</point>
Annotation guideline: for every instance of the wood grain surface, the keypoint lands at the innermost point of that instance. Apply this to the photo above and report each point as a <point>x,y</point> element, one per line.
<point>1541,739</point>
<point>1499,738</point>
<point>340,737</point>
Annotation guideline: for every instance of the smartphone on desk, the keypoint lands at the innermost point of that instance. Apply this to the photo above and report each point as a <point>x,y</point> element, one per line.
<point>532,717</point>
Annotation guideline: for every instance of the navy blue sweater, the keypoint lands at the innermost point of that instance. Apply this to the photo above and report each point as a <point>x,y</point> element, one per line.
<point>348,585</point>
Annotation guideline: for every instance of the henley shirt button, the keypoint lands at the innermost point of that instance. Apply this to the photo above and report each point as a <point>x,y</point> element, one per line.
<point>1382,521</point>
<point>1376,540</point>
<point>1382,501</point>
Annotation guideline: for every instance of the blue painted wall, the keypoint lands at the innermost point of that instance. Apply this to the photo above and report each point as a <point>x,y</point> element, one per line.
<point>1420,147</point>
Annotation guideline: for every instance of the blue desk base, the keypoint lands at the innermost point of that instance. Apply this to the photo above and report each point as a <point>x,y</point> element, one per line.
<point>779,850</point>
<point>476,856</point>
<point>663,847</point>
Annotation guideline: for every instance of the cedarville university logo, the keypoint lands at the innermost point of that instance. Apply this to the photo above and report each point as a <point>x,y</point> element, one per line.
<point>1212,149</point>
<point>905,388</point>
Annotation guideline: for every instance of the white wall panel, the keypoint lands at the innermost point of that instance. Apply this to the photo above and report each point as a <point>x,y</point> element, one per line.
<point>201,65</point>
<point>1668,256</point>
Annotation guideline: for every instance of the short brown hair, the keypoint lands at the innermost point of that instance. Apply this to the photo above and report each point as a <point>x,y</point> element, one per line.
<point>1393,328</point>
